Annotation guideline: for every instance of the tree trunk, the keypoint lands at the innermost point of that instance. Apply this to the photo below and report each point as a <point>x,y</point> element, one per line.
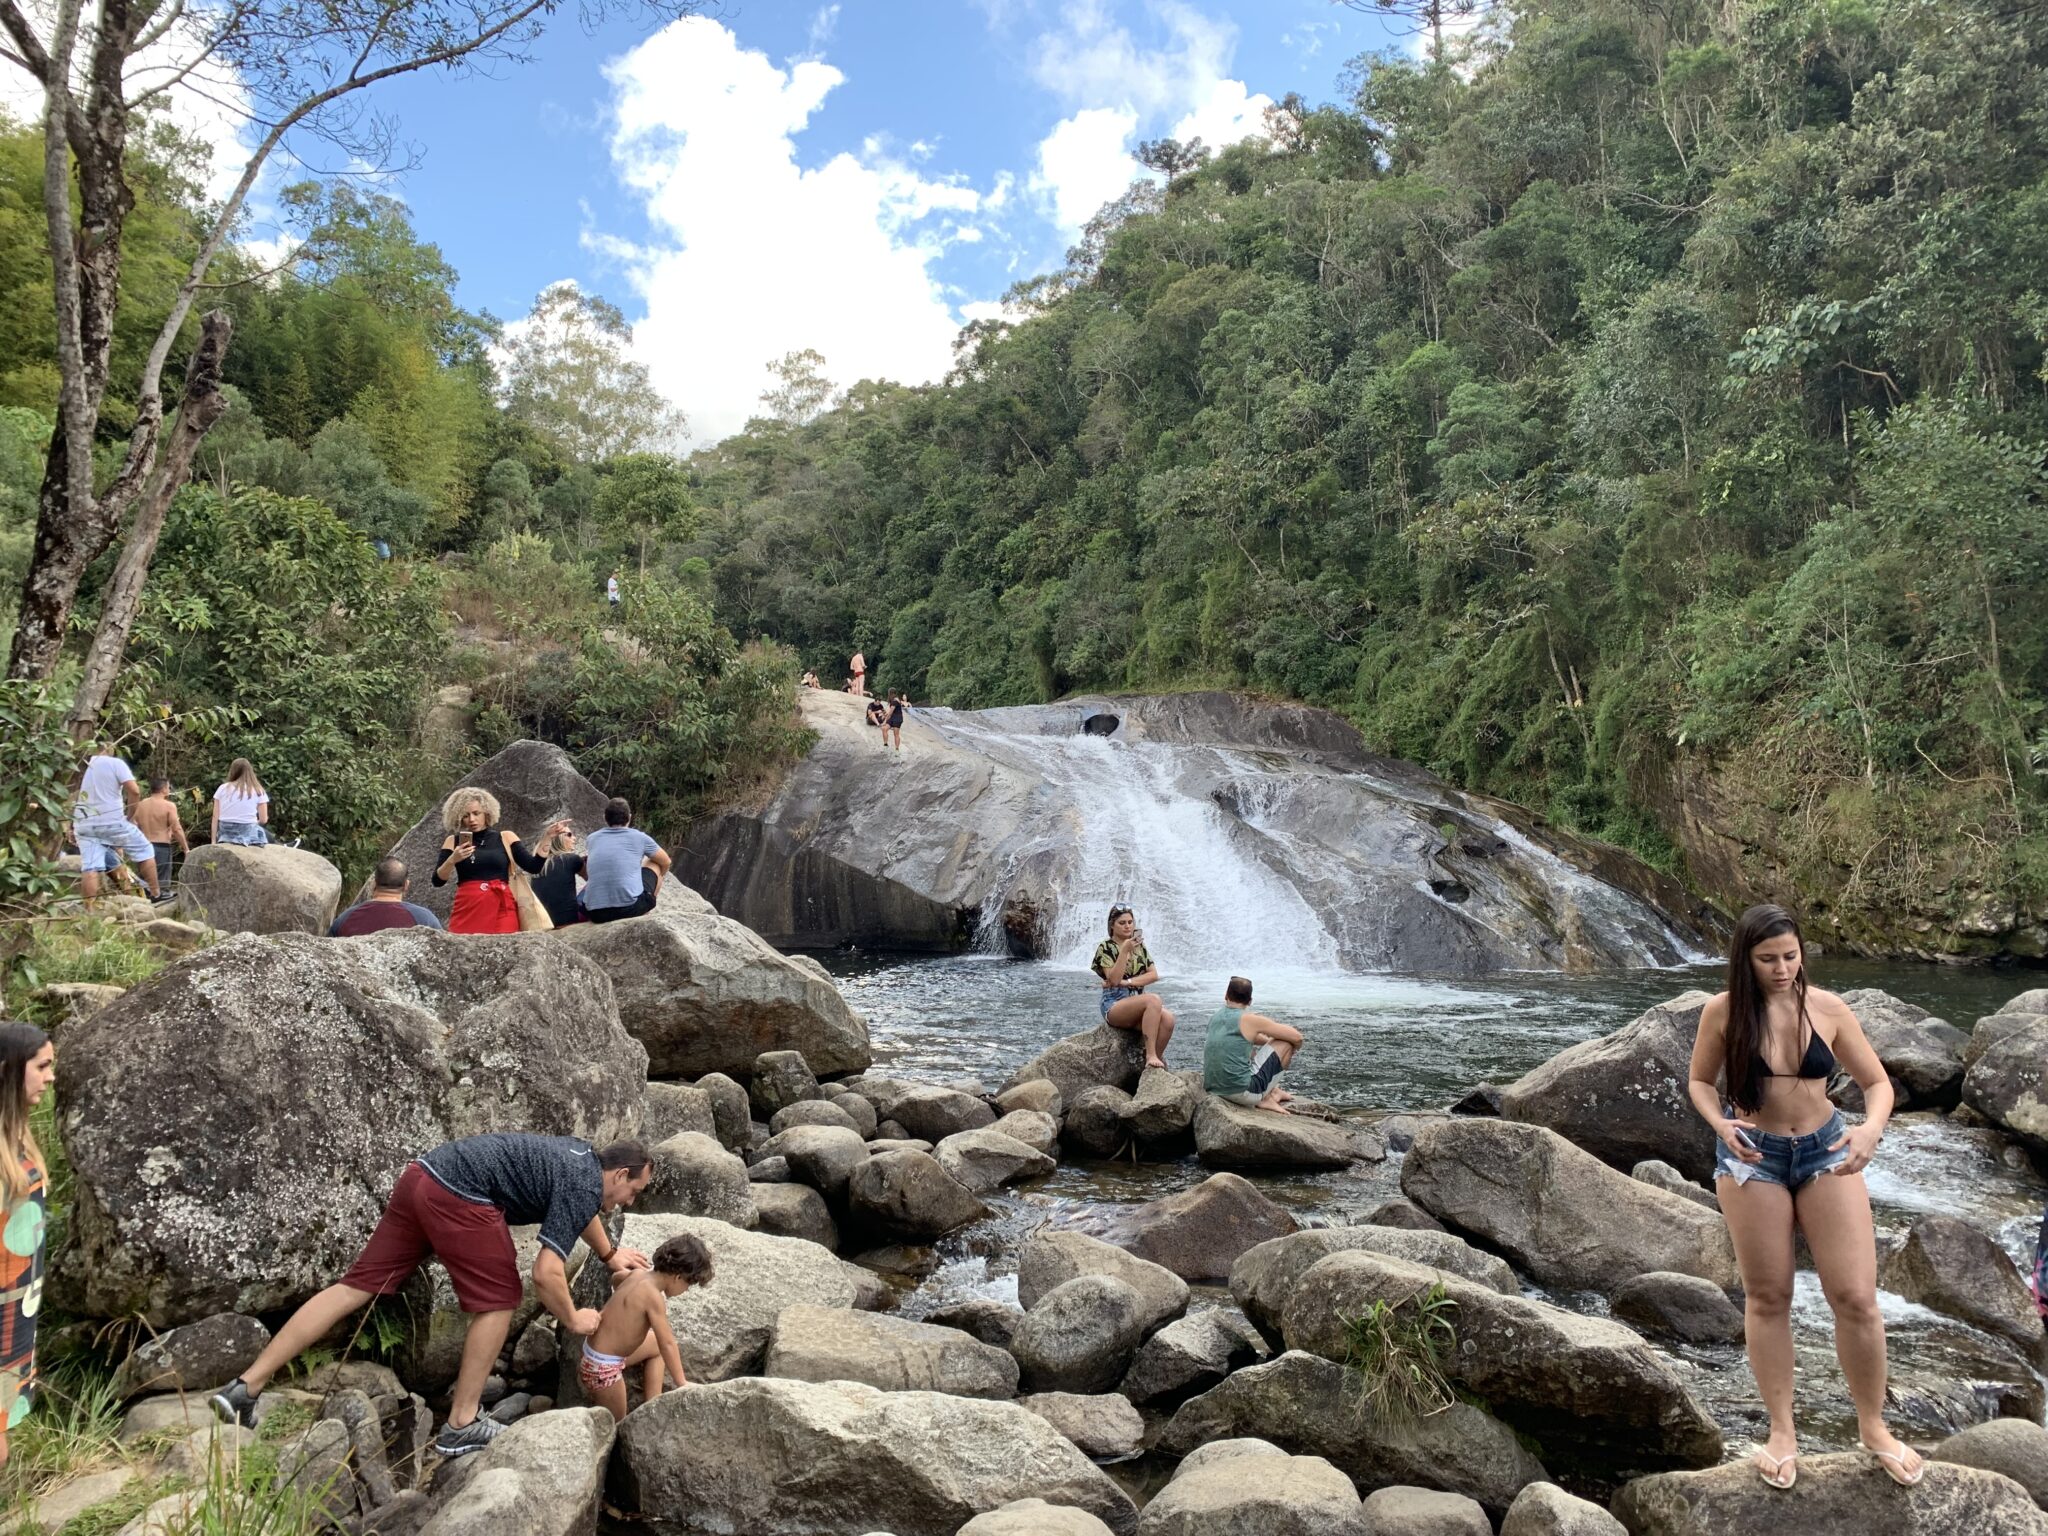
<point>203,404</point>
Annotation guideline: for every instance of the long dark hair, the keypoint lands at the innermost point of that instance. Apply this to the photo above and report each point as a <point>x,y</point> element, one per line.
<point>19,1045</point>
<point>1747,1018</point>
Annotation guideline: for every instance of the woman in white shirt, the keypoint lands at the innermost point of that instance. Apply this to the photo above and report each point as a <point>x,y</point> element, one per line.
<point>241,808</point>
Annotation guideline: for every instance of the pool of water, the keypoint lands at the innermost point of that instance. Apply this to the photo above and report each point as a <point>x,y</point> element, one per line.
<point>1383,1043</point>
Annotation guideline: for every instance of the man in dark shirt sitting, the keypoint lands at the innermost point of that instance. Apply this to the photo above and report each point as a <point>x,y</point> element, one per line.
<point>386,908</point>
<point>459,1203</point>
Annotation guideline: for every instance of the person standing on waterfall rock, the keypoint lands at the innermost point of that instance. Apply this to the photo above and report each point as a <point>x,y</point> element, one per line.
<point>1786,1164</point>
<point>459,1203</point>
<point>1126,969</point>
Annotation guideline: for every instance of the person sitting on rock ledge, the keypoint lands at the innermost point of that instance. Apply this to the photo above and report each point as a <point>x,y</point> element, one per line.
<point>459,1203</point>
<point>1126,969</point>
<point>633,1329</point>
<point>1247,1052</point>
<point>622,867</point>
<point>386,908</point>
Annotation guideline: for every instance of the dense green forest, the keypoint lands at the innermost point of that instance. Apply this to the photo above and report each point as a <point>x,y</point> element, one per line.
<point>1643,417</point>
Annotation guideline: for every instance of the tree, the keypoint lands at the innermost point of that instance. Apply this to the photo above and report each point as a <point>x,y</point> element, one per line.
<point>1431,16</point>
<point>802,393</point>
<point>1171,158</point>
<point>571,379</point>
<point>302,69</point>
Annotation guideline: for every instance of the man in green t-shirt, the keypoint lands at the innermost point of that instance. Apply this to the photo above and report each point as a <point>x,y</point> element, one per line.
<point>1247,1052</point>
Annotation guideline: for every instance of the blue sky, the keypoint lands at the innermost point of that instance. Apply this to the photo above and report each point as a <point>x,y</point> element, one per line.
<point>859,177</point>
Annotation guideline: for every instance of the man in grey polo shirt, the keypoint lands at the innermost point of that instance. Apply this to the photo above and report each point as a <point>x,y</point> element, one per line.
<point>617,878</point>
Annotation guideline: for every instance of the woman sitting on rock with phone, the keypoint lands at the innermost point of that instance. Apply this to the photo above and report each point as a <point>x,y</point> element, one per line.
<point>1787,1161</point>
<point>1126,969</point>
<point>478,855</point>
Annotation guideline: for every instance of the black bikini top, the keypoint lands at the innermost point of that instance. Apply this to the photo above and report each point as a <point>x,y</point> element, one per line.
<point>1818,1062</point>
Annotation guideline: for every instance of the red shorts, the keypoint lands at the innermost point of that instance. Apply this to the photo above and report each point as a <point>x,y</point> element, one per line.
<point>471,1241</point>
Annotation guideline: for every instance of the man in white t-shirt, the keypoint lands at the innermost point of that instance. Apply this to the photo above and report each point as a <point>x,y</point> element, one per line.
<point>611,589</point>
<point>100,821</point>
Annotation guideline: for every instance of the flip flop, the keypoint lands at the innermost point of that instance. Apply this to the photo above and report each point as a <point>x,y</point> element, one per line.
<point>1772,1474</point>
<point>1894,1465</point>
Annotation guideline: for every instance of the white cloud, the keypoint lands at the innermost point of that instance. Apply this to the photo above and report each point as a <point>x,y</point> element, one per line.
<point>1084,162</point>
<point>753,255</point>
<point>1229,115</point>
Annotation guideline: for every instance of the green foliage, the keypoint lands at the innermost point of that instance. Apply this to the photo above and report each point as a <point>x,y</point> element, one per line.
<point>1398,1357</point>
<point>76,946</point>
<point>38,766</point>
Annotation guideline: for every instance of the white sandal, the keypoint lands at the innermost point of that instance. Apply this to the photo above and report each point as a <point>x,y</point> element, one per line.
<point>1894,1464</point>
<point>1778,1465</point>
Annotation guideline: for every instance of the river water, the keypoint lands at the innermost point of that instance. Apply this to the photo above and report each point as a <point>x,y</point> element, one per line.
<point>1392,1043</point>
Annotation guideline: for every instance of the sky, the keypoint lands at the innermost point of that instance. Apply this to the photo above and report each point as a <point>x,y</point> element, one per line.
<point>860,177</point>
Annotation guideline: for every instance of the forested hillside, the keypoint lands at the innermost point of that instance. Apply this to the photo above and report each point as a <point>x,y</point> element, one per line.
<point>1645,422</point>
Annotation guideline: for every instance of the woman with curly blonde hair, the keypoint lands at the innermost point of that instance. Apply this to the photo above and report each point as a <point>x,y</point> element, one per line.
<point>478,856</point>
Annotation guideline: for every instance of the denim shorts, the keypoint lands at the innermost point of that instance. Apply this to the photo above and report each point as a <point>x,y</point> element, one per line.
<point>1111,996</point>
<point>242,834</point>
<point>1790,1161</point>
<point>102,843</point>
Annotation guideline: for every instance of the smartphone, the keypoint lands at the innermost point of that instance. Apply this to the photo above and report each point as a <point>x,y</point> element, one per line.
<point>465,840</point>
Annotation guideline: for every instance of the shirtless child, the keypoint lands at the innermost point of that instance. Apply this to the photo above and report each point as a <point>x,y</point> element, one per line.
<point>633,1328</point>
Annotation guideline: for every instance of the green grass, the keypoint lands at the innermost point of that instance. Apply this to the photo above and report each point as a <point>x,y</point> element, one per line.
<point>75,947</point>
<point>1398,1354</point>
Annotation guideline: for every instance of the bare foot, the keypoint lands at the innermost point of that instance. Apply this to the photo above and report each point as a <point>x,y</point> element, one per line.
<point>1275,1106</point>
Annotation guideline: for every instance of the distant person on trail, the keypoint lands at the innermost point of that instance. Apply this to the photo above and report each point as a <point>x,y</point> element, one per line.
<point>241,808</point>
<point>157,815</point>
<point>859,668</point>
<point>634,1330</point>
<point>622,867</point>
<point>458,1203</point>
<point>892,725</point>
<point>555,886</point>
<point>1126,969</point>
<point>99,820</point>
<point>1247,1052</point>
<point>810,679</point>
<point>611,589</point>
<point>386,907</point>
<point>478,854</point>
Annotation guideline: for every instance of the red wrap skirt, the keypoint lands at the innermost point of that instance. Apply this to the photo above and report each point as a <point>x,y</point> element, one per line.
<point>484,906</point>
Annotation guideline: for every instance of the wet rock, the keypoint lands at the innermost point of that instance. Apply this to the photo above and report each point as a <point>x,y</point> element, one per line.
<point>796,1210</point>
<point>1424,1512</point>
<point>1034,1517</point>
<point>1995,1027</point>
<point>789,1458</point>
<point>1038,1094</point>
<point>817,1112</point>
<point>1310,1405</point>
<point>987,1159</point>
<point>1569,1380</point>
<point>258,890</point>
<point>1681,1307</point>
<point>1563,1217</point>
<point>348,1060</point>
<point>1661,1175</point>
<point>1840,1493</point>
<point>1094,1124</point>
<point>932,1113</point>
<point>1482,1100</point>
<point>1100,1057</point>
<point>992,1322</point>
<point>1253,1488</point>
<point>1163,1108</point>
<point>1231,1136</point>
<point>1401,1213</point>
<point>731,1110</point>
<point>822,1156</point>
<point>1544,1509</point>
<point>1105,1427</point>
<point>891,1353</point>
<point>694,1176</point>
<point>2015,1447</point>
<point>1033,1127</point>
<point>544,1476</point>
<point>778,1080</point>
<point>1264,1277</point>
<point>908,1194</point>
<point>1199,1233</point>
<point>673,1107</point>
<point>1950,1266</point>
<point>1190,1355</point>
<point>1921,1054</point>
<point>195,1358</point>
<point>1622,1097</point>
<point>1080,1336</point>
<point>1048,1259</point>
<point>2007,1083</point>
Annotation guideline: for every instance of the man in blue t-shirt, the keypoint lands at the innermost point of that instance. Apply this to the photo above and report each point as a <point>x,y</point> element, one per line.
<point>622,867</point>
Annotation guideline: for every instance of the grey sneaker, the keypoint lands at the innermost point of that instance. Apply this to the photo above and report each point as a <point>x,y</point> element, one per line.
<point>234,1404</point>
<point>471,1437</point>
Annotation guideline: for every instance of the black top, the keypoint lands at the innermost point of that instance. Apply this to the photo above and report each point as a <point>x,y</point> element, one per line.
<point>552,1180</point>
<point>489,861</point>
<point>556,888</point>
<point>1818,1062</point>
<point>896,716</point>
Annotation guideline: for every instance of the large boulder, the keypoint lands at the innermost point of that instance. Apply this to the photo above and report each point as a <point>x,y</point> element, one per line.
<point>1921,1054</point>
<point>1838,1495</point>
<point>2007,1083</point>
<point>1034,1517</point>
<point>832,1344</point>
<point>1094,1123</point>
<point>1163,1108</point>
<point>1569,1380</point>
<point>1622,1097</point>
<point>1100,1057</point>
<point>1049,1259</point>
<point>195,1358</point>
<point>694,1176</point>
<point>1080,1336</point>
<point>1682,1307</point>
<point>908,1194</point>
<point>544,1476</point>
<point>1950,1266</point>
<point>704,994</point>
<point>723,1328</point>
<point>1104,1425</point>
<point>987,1159</point>
<point>1424,1512</point>
<point>794,1458</point>
<point>210,1110</point>
<point>2015,1447</point>
<point>259,890</point>
<point>1252,1488</point>
<point>1562,1216</point>
<point>929,1111</point>
<point>1199,1233</point>
<point>1035,1128</point>
<point>672,1107</point>
<point>1231,1136</point>
<point>796,1210</point>
<point>822,1156</point>
<point>1264,1277</point>
<point>1190,1355</point>
<point>1544,1509</point>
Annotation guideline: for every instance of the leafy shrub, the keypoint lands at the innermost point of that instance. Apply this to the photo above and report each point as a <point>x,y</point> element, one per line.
<point>1399,1353</point>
